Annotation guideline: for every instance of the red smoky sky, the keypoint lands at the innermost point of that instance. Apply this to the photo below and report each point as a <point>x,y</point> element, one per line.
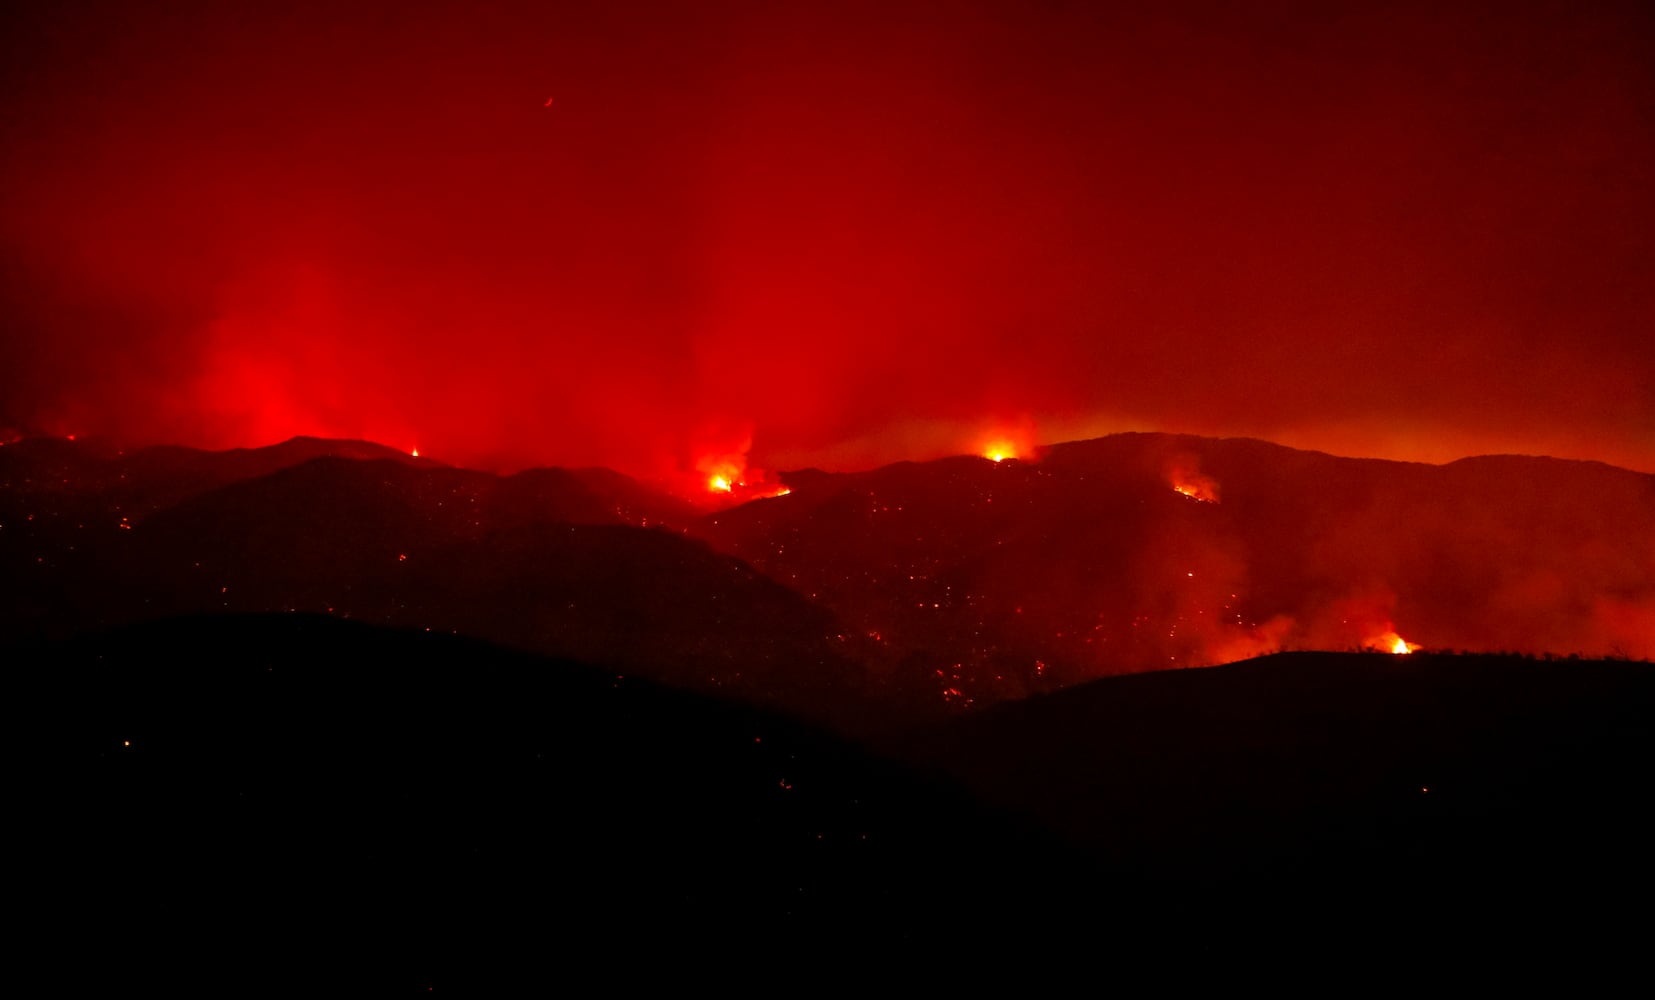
<point>844,233</point>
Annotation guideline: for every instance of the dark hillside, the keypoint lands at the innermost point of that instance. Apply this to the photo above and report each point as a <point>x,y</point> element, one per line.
<point>284,798</point>
<point>1512,789</point>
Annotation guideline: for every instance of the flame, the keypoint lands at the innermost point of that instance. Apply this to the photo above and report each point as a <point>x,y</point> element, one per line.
<point>1390,642</point>
<point>1185,476</point>
<point>1003,439</point>
<point>730,479</point>
<point>723,474</point>
<point>414,452</point>
<point>999,451</point>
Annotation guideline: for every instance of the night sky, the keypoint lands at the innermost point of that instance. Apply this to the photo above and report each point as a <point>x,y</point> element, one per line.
<point>850,233</point>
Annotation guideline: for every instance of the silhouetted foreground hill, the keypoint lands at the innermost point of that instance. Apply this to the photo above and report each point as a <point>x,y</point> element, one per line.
<point>1516,793</point>
<point>238,802</point>
<point>244,801</point>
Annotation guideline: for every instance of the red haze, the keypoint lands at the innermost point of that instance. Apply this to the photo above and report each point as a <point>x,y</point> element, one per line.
<point>858,232</point>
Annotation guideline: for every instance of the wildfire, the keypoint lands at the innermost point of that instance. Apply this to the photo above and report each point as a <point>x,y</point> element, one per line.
<point>1185,476</point>
<point>723,474</point>
<point>1390,642</point>
<point>726,477</point>
<point>1006,437</point>
<point>999,451</point>
<point>414,452</point>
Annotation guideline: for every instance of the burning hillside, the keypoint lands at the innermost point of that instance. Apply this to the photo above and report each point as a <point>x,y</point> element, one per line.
<point>930,586</point>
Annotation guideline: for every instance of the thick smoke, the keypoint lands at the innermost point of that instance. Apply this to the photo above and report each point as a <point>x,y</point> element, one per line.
<point>866,233</point>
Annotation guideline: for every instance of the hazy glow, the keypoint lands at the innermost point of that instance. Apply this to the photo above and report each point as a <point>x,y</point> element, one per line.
<point>860,238</point>
<point>1010,440</point>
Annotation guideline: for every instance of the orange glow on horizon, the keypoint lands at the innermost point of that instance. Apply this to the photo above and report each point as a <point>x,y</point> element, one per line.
<point>1008,439</point>
<point>1000,449</point>
<point>1390,642</point>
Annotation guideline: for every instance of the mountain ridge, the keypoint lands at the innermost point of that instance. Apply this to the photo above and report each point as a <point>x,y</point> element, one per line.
<point>923,587</point>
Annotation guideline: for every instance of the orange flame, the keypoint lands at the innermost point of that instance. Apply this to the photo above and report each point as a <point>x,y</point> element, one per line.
<point>1390,642</point>
<point>728,477</point>
<point>1003,442</point>
<point>1185,476</point>
<point>1196,491</point>
<point>1004,438</point>
<point>999,451</point>
<point>723,473</point>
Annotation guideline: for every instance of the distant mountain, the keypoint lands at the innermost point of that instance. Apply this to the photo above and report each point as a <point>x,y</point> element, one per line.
<point>148,479</point>
<point>145,480</point>
<point>967,580</point>
<point>540,560</point>
<point>894,594</point>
